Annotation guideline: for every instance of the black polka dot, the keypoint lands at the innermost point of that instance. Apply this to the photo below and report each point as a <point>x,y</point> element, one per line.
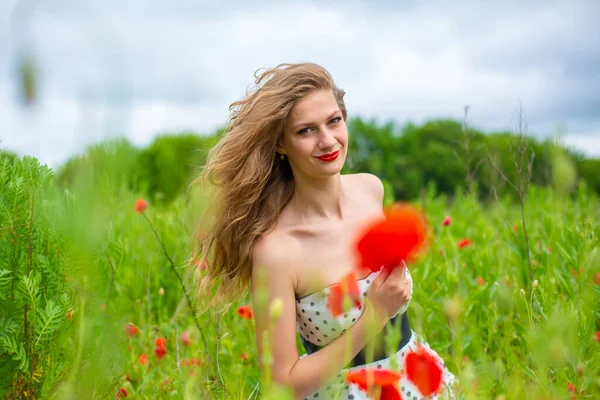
<point>408,394</point>
<point>368,281</point>
<point>304,323</point>
<point>353,319</point>
<point>312,304</point>
<point>325,322</point>
<point>364,293</point>
<point>351,397</point>
<point>326,335</point>
<point>310,320</point>
<point>298,315</point>
<point>415,398</point>
<point>301,328</point>
<point>298,301</point>
<point>318,313</point>
<point>332,329</point>
<point>319,340</point>
<point>316,327</point>
<point>316,395</point>
<point>402,388</point>
<point>379,366</point>
<point>303,311</point>
<point>312,333</point>
<point>345,315</point>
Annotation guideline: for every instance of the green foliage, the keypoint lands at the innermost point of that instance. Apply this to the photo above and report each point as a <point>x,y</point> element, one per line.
<point>79,264</point>
<point>33,293</point>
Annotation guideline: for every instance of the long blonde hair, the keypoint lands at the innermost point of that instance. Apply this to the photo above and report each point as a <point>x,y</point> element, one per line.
<point>252,183</point>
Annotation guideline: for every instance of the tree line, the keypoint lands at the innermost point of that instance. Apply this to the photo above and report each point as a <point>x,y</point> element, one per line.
<point>444,153</point>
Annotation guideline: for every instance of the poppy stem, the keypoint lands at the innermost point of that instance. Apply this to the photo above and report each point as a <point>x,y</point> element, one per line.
<point>189,301</point>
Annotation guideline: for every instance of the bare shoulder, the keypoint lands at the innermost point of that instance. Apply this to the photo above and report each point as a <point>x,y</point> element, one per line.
<point>370,183</point>
<point>273,255</point>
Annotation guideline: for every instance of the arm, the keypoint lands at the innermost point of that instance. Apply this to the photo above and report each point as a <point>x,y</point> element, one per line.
<point>308,374</point>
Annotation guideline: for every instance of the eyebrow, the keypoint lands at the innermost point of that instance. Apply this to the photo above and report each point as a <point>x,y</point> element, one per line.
<point>333,114</point>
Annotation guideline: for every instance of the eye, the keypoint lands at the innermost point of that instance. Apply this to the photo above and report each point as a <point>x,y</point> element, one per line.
<point>303,131</point>
<point>336,119</point>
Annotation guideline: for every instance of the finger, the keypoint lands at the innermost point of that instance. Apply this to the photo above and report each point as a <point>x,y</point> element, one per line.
<point>398,273</point>
<point>381,278</point>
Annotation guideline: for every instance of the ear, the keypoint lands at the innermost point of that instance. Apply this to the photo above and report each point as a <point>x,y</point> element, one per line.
<point>279,147</point>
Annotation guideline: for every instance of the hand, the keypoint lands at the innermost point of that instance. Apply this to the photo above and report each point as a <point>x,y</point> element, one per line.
<point>388,293</point>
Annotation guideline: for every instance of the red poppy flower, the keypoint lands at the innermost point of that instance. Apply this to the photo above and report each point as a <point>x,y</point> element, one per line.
<point>596,279</point>
<point>597,336</point>
<point>244,356</point>
<point>401,236</point>
<point>385,379</point>
<point>245,312</point>
<point>143,359</point>
<point>131,330</point>
<point>480,281</point>
<point>161,342</point>
<point>447,220</point>
<point>340,291</point>
<point>424,371</point>
<point>571,388</point>
<point>464,243</point>
<point>160,352</point>
<point>185,338</point>
<point>161,348</point>
<point>122,392</point>
<point>140,206</point>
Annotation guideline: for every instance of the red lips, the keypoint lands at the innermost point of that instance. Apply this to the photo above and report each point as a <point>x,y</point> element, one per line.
<point>330,156</point>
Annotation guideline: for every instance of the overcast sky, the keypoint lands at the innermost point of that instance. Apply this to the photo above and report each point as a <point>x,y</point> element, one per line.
<point>140,68</point>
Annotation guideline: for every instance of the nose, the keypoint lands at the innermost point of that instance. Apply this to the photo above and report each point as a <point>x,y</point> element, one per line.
<point>328,141</point>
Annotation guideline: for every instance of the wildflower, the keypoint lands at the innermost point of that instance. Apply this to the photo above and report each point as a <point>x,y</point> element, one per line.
<point>516,228</point>
<point>596,279</point>
<point>245,312</point>
<point>185,338</point>
<point>244,356</point>
<point>480,281</point>
<point>424,371</point>
<point>464,243</point>
<point>535,283</point>
<point>140,205</point>
<point>143,359</point>
<point>447,220</point>
<point>384,379</point>
<point>340,292</point>
<point>399,237</point>
<point>161,348</point>
<point>161,292</point>
<point>131,330</point>
<point>597,336</point>
<point>122,392</point>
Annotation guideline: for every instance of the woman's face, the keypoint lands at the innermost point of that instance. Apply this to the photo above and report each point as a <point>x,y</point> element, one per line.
<point>315,127</point>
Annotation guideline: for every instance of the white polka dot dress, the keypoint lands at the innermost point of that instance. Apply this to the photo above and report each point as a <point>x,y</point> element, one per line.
<point>317,328</point>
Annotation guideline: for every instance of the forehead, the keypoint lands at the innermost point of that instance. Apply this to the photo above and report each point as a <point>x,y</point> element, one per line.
<point>316,105</point>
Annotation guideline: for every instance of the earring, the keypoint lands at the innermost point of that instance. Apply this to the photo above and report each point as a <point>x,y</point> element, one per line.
<point>282,157</point>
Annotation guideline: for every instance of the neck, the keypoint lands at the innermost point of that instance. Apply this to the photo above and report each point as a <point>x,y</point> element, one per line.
<point>320,198</point>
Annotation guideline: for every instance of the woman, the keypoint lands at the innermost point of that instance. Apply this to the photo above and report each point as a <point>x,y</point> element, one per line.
<point>285,221</point>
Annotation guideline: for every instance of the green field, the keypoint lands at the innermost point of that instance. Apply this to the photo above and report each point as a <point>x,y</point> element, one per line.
<point>514,314</point>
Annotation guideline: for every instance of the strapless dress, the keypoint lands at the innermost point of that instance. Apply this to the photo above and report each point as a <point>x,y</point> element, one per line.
<point>317,328</point>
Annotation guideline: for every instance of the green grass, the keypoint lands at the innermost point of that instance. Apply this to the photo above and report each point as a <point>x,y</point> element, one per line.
<point>501,338</point>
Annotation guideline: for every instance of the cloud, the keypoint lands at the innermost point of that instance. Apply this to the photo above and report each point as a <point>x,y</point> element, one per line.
<point>141,68</point>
